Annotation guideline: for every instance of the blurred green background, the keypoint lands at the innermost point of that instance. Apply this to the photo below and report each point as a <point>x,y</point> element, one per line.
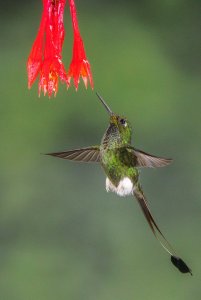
<point>61,235</point>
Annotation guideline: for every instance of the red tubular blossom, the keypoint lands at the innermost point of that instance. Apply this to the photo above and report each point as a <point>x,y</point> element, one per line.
<point>45,59</point>
<point>79,65</point>
<point>35,58</point>
<point>52,67</point>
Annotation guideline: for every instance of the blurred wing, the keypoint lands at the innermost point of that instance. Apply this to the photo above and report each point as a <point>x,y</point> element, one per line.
<point>90,154</point>
<point>143,159</point>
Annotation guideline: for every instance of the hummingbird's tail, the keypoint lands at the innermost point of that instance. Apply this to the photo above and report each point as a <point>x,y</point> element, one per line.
<point>177,261</point>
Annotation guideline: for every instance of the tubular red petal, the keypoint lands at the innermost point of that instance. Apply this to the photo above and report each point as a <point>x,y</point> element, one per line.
<point>36,55</point>
<point>79,65</point>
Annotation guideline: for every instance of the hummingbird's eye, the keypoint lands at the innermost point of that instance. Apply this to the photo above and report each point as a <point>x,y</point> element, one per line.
<point>123,122</point>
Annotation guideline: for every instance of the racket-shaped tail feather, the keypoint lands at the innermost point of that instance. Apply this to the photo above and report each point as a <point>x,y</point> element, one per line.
<point>176,260</point>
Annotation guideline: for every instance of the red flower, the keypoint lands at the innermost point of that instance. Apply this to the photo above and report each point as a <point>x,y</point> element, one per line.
<point>45,59</point>
<point>35,58</point>
<point>79,65</point>
<point>52,67</point>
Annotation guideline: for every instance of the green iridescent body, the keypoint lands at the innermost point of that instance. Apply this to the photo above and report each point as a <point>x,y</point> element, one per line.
<point>116,164</point>
<point>116,158</point>
<point>120,162</point>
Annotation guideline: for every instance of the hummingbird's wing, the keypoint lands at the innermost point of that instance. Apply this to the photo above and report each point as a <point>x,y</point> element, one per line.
<point>143,159</point>
<point>177,261</point>
<point>89,154</point>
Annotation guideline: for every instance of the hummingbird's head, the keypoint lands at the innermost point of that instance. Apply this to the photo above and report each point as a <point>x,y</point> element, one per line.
<point>123,127</point>
<point>119,125</point>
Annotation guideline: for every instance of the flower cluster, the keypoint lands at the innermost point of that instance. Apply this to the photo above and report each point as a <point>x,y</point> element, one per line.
<point>45,59</point>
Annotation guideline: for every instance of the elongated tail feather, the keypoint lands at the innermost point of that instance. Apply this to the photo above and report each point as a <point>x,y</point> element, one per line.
<point>177,261</point>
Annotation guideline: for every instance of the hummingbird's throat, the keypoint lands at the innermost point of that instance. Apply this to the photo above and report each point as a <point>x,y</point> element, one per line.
<point>124,188</point>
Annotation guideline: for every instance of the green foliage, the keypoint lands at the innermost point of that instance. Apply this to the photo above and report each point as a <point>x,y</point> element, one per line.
<point>61,235</point>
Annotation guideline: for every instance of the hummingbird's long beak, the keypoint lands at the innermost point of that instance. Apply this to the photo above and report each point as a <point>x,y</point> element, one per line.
<point>106,106</point>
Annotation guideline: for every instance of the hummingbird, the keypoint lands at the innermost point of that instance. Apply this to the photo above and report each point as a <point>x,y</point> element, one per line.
<point>121,163</point>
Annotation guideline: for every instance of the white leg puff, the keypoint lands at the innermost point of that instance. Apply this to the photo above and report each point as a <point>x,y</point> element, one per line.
<point>124,188</point>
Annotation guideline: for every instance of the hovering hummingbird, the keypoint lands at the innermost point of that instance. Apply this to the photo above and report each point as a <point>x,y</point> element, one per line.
<point>121,161</point>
